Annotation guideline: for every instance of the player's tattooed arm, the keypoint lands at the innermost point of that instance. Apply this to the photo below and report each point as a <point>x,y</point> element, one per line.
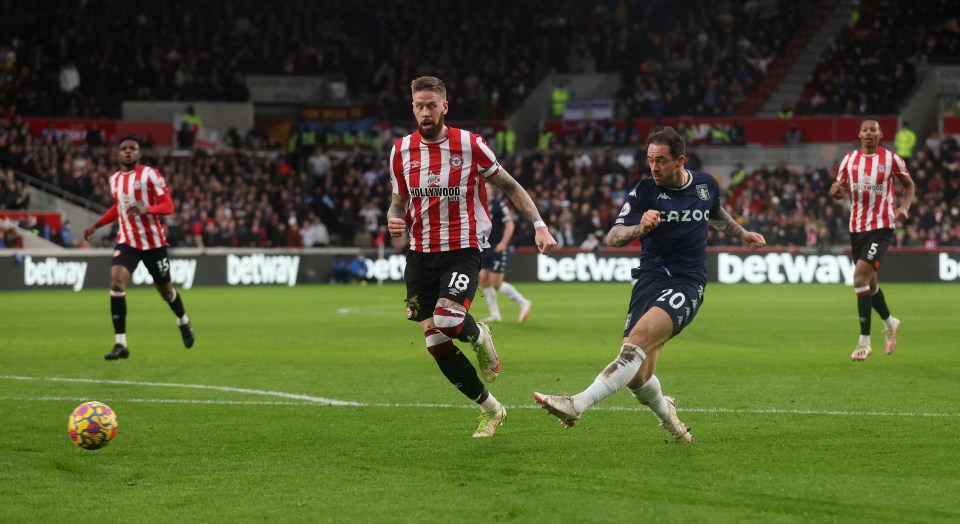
<point>397,215</point>
<point>398,206</point>
<point>515,192</point>
<point>725,223</point>
<point>620,236</point>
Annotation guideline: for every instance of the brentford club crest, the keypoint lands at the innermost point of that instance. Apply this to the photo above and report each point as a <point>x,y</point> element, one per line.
<point>136,185</point>
<point>456,161</point>
<point>703,192</point>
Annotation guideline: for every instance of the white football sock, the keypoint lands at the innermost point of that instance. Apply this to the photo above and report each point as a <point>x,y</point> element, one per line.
<point>889,321</point>
<point>490,293</point>
<point>865,339</point>
<point>122,339</point>
<point>491,405</point>
<point>650,395</point>
<point>512,293</point>
<point>612,378</point>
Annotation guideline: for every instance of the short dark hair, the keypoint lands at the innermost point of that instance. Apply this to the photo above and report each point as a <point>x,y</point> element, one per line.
<point>133,138</point>
<point>668,137</point>
<point>868,118</point>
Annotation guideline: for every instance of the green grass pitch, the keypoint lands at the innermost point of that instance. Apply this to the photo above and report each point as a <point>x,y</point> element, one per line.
<point>321,404</point>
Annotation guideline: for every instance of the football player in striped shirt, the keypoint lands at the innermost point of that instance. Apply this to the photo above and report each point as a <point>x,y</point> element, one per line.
<point>140,198</point>
<point>866,177</point>
<point>437,174</point>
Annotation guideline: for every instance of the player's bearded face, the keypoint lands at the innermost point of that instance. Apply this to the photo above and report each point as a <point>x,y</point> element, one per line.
<point>429,109</point>
<point>666,170</point>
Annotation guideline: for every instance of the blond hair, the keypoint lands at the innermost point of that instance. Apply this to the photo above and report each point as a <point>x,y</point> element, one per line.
<point>429,83</point>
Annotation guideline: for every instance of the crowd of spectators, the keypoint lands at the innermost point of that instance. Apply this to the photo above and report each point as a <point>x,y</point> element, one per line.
<point>702,65</point>
<point>251,198</point>
<point>873,66</point>
<point>697,57</point>
<point>55,60</point>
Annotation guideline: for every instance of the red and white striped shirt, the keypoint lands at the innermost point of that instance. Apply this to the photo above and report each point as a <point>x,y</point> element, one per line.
<point>448,201</point>
<point>871,183</point>
<point>144,186</point>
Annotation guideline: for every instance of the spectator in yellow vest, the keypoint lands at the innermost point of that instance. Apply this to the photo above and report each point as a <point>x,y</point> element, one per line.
<point>719,135</point>
<point>545,139</point>
<point>786,111</point>
<point>904,141</point>
<point>559,98</point>
<point>191,117</point>
<point>511,139</point>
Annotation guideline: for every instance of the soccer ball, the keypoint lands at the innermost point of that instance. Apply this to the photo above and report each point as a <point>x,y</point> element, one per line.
<point>92,425</point>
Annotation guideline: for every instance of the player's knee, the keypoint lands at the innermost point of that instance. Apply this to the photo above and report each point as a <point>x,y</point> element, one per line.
<point>448,320</point>
<point>640,336</point>
<point>438,344</point>
<point>631,352</point>
<point>167,292</point>
<point>117,286</point>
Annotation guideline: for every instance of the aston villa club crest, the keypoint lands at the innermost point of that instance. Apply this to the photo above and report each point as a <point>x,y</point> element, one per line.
<point>456,161</point>
<point>433,180</point>
<point>703,192</point>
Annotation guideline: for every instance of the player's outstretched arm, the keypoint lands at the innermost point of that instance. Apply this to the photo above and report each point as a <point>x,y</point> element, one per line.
<point>526,207</point>
<point>397,215</point>
<point>730,227</point>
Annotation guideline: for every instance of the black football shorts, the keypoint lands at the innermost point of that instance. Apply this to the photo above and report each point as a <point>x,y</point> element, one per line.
<point>156,261</point>
<point>431,276</point>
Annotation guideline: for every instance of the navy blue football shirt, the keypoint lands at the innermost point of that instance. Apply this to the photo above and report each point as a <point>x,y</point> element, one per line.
<point>499,216</point>
<point>679,245</point>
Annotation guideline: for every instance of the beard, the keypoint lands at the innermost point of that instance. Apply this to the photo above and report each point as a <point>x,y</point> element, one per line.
<point>434,131</point>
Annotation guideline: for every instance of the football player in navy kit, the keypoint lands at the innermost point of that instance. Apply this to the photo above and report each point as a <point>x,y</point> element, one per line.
<point>669,212</point>
<point>493,264</point>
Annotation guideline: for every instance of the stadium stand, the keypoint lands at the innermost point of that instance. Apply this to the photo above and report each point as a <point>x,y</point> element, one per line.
<point>872,67</point>
<point>253,193</point>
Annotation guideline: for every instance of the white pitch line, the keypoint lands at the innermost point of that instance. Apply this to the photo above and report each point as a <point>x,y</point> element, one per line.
<point>776,411</point>
<point>292,396</point>
<point>307,400</point>
<point>163,401</point>
<point>376,310</point>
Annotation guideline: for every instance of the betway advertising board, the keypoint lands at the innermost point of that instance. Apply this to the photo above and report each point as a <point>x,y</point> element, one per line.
<point>23,269</point>
<point>92,271</point>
